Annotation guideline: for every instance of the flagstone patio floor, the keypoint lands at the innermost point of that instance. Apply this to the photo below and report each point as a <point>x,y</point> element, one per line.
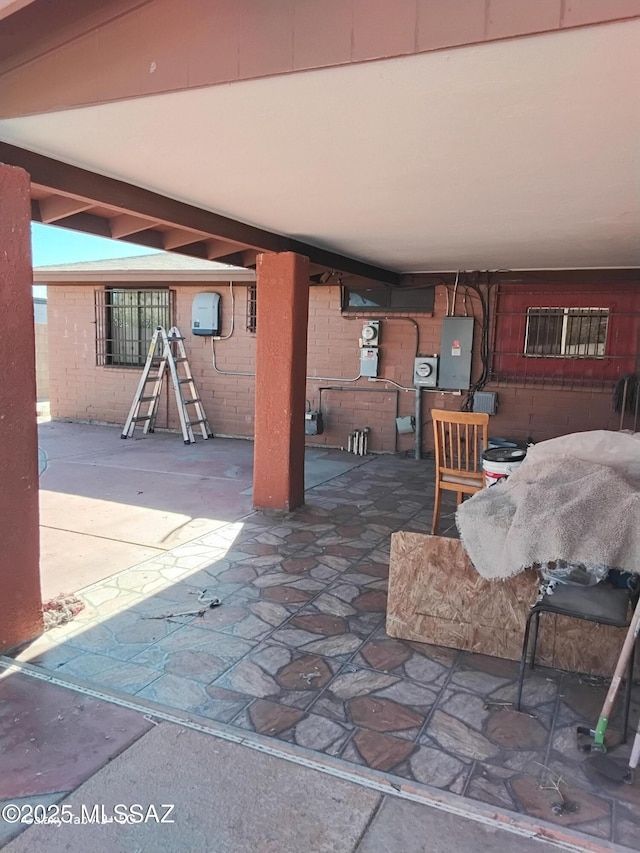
<point>297,651</point>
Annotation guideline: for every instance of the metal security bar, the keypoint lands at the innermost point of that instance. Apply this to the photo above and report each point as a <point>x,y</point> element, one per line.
<point>251,308</point>
<point>583,337</point>
<point>125,322</point>
<point>566,332</point>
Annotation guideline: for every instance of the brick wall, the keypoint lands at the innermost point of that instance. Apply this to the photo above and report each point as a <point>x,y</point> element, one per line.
<point>81,390</point>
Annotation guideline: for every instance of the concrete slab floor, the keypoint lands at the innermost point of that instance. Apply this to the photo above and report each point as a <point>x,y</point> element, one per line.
<point>108,504</point>
<point>223,797</point>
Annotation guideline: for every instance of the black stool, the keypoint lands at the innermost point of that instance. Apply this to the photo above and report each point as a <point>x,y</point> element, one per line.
<point>602,603</point>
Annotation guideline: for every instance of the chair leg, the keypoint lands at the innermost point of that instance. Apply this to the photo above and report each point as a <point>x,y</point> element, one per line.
<point>523,660</point>
<point>627,694</point>
<point>436,511</point>
<point>536,625</point>
<point>459,497</point>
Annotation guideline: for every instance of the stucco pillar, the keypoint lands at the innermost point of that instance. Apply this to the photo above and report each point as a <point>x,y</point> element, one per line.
<point>281,365</point>
<point>20,603</point>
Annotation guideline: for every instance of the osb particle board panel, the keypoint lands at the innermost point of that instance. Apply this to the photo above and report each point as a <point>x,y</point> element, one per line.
<point>436,596</point>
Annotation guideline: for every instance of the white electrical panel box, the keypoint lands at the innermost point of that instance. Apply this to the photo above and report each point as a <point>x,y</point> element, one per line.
<point>425,371</point>
<point>205,314</point>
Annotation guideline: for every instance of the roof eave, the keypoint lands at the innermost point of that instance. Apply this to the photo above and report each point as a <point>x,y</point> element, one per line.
<point>42,276</point>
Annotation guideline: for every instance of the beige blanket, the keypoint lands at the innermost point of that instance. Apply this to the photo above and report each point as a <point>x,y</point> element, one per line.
<point>556,506</point>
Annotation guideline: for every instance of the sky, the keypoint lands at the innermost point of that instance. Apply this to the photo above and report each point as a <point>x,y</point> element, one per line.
<point>51,245</point>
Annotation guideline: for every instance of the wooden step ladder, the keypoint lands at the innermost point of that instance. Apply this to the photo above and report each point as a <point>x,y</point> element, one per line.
<point>167,352</point>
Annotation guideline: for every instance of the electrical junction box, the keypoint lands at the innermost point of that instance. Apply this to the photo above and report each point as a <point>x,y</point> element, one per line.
<point>425,371</point>
<point>313,423</point>
<point>485,401</point>
<point>455,353</point>
<point>205,314</point>
<point>370,334</point>
<point>406,424</point>
<point>369,361</point>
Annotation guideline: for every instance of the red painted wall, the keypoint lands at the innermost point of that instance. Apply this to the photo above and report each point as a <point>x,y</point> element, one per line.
<point>20,606</point>
<point>623,332</point>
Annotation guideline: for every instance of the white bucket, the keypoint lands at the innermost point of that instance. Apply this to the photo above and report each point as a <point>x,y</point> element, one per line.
<point>499,462</point>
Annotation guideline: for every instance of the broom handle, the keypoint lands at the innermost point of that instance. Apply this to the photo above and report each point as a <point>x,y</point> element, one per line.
<point>621,666</point>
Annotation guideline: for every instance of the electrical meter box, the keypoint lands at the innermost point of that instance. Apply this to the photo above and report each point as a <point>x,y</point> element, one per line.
<point>425,371</point>
<point>455,353</point>
<point>370,334</point>
<point>313,423</point>
<point>205,314</point>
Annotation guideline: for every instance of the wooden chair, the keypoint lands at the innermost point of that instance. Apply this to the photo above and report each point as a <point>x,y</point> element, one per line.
<point>460,438</point>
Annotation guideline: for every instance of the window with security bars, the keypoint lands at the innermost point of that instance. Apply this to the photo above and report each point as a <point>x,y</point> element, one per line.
<point>125,322</point>
<point>251,308</point>
<point>566,332</point>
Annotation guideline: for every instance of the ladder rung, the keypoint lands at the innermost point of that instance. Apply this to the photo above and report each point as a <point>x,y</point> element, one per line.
<point>142,418</point>
<point>199,421</point>
<point>175,338</point>
<point>178,360</point>
<point>147,399</point>
<point>184,381</point>
<point>190,402</point>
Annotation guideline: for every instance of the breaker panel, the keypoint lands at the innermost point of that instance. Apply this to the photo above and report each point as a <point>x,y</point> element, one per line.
<point>455,353</point>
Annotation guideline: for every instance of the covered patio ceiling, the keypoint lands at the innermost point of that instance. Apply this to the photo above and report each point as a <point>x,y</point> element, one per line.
<point>518,154</point>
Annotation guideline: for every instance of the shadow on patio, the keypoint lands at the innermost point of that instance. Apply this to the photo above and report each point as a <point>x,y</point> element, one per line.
<point>297,651</point>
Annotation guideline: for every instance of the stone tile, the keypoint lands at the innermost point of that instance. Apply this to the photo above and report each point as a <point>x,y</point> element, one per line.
<point>122,636</point>
<point>516,730</point>
<point>109,672</point>
<point>625,828</point>
<point>286,595</point>
<point>281,674</point>
<point>466,707</point>
<point>174,691</point>
<point>382,715</point>
<point>489,786</point>
<point>320,733</point>
<point>269,718</point>
<point>235,617</point>
<point>348,685</point>
<point>538,693</point>
<point>417,661</point>
<point>48,655</point>
<point>457,738</point>
<point>434,767</point>
<point>294,726</point>
<point>379,751</point>
<point>223,705</point>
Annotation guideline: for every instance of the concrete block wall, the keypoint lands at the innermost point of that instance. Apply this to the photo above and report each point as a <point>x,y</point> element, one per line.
<point>81,390</point>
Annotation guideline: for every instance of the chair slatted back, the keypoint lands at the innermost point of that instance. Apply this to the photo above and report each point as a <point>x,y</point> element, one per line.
<point>460,438</point>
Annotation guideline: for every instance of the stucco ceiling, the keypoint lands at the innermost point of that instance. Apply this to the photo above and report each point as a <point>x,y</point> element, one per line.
<point>513,155</point>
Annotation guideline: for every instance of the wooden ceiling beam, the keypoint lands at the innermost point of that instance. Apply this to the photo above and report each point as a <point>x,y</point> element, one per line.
<point>126,224</point>
<point>176,237</point>
<point>59,207</point>
<point>100,191</point>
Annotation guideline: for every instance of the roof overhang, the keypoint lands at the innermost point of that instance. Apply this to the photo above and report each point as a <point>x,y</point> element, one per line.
<point>44,276</point>
<point>517,154</point>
